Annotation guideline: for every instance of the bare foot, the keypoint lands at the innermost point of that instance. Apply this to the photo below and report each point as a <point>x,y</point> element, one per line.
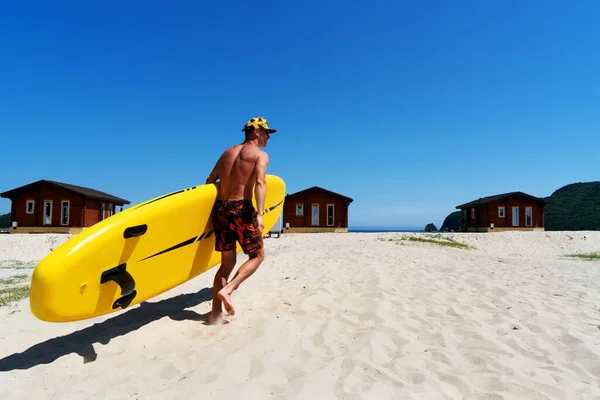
<point>224,296</point>
<point>217,319</point>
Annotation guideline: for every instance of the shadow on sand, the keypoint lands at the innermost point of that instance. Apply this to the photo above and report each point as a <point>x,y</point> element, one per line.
<point>81,342</point>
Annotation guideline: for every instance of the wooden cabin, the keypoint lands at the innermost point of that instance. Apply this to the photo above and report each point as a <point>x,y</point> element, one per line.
<point>515,211</point>
<point>316,210</point>
<point>54,207</point>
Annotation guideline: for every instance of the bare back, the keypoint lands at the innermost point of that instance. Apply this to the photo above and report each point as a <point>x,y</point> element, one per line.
<point>237,171</point>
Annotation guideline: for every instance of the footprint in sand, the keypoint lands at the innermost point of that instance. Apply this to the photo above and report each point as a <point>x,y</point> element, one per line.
<point>256,367</point>
<point>417,378</point>
<point>439,357</point>
<point>456,383</point>
<point>451,312</point>
<point>169,371</point>
<point>359,377</point>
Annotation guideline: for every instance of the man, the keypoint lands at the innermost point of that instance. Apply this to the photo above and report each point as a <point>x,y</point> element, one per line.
<point>239,169</point>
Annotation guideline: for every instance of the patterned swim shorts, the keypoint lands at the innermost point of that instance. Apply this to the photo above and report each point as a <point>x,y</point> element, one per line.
<point>235,220</point>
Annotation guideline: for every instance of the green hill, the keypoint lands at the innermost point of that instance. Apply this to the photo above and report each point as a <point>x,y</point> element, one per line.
<point>574,207</point>
<point>5,221</point>
<point>453,222</point>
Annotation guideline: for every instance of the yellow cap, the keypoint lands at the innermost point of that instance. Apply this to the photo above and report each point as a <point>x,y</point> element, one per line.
<point>258,123</point>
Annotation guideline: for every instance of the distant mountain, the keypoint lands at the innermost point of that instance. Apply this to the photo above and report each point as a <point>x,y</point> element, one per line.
<point>430,228</point>
<point>574,207</point>
<point>5,221</point>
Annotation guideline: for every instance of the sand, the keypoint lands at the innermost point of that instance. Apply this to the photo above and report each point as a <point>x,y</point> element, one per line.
<point>335,316</point>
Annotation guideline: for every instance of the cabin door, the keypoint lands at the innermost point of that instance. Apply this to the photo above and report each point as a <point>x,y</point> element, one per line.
<point>315,215</point>
<point>47,212</point>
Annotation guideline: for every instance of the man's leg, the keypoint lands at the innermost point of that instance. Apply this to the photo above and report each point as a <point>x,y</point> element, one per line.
<point>228,259</point>
<point>245,271</point>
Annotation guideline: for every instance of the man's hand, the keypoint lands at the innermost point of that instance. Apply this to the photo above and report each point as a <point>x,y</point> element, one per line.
<point>261,225</point>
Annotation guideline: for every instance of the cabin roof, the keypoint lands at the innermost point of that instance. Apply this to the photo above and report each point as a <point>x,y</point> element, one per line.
<point>87,192</point>
<point>317,189</point>
<point>491,199</point>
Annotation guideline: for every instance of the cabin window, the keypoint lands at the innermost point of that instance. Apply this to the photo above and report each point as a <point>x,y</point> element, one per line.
<point>528,216</point>
<point>299,209</point>
<point>515,216</point>
<point>110,209</point>
<point>315,215</point>
<point>472,213</point>
<point>501,212</point>
<point>64,212</point>
<point>102,211</point>
<point>330,209</point>
<point>30,206</point>
<point>47,212</point>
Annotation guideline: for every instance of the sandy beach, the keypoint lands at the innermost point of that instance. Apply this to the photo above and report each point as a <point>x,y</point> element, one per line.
<point>333,316</point>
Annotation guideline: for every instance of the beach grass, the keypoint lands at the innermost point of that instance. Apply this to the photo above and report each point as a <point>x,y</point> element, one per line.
<point>436,239</point>
<point>13,294</point>
<point>586,256</point>
<point>11,280</point>
<point>15,264</point>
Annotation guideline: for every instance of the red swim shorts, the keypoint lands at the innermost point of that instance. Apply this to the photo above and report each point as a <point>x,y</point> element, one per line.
<point>235,220</point>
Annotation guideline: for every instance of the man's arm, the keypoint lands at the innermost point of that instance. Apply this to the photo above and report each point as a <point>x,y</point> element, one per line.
<point>214,175</point>
<point>260,189</point>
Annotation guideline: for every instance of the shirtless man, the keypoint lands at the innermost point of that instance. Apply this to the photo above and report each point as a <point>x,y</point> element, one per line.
<point>234,218</point>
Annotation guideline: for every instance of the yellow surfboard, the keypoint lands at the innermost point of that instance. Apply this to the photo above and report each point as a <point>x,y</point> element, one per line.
<point>136,254</point>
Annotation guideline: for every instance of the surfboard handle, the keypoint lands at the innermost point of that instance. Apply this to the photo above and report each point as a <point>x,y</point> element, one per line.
<point>121,277</point>
<point>135,231</point>
<point>124,301</point>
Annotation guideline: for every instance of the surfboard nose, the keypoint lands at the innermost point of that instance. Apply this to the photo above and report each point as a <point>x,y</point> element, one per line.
<point>39,298</point>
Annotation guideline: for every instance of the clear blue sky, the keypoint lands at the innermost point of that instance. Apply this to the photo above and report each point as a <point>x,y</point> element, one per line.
<point>410,108</point>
